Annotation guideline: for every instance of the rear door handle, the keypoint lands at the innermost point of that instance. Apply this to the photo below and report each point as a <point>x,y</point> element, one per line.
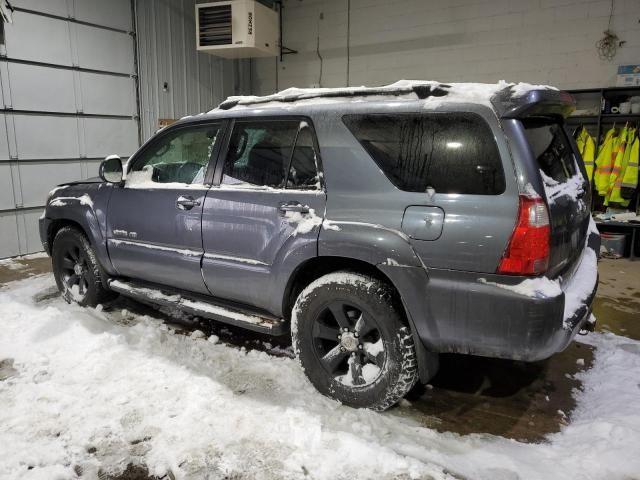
<point>186,202</point>
<point>294,207</point>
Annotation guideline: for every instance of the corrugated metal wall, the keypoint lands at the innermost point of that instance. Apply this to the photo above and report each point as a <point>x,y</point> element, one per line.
<point>68,78</point>
<point>67,81</point>
<point>196,82</point>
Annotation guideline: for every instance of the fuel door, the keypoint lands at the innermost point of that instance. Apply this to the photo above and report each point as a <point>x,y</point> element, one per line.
<point>423,223</point>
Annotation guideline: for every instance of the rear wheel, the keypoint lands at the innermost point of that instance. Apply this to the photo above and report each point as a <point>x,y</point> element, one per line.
<point>76,269</point>
<point>352,342</point>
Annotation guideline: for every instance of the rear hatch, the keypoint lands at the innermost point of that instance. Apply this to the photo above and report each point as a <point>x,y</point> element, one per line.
<point>566,189</point>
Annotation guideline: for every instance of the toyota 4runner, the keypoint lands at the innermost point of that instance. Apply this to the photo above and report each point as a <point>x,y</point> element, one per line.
<point>379,226</point>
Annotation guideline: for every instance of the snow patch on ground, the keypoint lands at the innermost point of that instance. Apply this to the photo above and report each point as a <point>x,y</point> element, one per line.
<point>140,393</point>
<point>11,262</point>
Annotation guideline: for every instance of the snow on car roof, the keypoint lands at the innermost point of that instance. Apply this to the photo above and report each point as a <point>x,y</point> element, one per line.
<point>430,91</point>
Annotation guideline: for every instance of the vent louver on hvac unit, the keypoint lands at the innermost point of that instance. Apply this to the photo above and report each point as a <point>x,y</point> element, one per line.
<point>236,29</point>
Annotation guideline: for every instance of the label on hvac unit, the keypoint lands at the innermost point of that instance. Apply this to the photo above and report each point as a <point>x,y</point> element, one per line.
<point>250,24</point>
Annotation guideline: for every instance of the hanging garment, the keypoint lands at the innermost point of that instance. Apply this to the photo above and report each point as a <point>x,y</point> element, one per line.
<point>587,148</point>
<point>617,171</point>
<point>604,162</point>
<point>630,176</point>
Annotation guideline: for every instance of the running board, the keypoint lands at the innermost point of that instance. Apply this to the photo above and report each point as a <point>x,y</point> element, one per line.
<point>200,306</point>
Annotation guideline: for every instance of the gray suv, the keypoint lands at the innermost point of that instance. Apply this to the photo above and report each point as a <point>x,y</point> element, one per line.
<point>379,226</point>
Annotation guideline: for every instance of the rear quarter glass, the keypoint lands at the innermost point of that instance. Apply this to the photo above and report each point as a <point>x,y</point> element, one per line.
<point>448,152</point>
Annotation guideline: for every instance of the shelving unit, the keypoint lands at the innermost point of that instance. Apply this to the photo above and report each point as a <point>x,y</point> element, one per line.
<point>597,123</point>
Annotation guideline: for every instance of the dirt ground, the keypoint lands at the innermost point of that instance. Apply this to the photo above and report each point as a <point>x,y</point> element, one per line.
<point>470,394</point>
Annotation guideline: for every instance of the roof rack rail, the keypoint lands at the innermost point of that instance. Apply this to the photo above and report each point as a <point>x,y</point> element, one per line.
<point>422,91</point>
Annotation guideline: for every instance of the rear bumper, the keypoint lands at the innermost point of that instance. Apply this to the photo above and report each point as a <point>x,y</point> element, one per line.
<point>480,314</point>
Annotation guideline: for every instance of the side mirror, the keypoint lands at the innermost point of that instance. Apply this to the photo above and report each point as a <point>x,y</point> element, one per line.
<point>111,169</point>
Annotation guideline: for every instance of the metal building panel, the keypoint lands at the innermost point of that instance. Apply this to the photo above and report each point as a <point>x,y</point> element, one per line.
<point>41,88</point>
<point>114,13</point>
<point>29,231</point>
<point>38,178</point>
<point>6,188</point>
<point>101,49</point>
<point>38,38</point>
<point>42,137</point>
<point>91,167</point>
<point>108,94</point>
<point>4,145</point>
<point>53,7</point>
<point>9,246</point>
<point>104,136</point>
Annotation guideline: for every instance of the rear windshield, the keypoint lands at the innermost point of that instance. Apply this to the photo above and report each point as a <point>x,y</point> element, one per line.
<point>449,152</point>
<point>551,148</point>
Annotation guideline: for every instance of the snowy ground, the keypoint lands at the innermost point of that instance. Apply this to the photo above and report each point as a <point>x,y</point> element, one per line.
<point>86,390</point>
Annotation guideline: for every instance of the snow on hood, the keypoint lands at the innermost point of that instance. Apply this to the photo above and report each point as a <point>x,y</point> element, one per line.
<point>480,93</point>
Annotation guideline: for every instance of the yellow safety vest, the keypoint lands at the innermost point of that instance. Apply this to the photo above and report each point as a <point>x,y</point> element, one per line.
<point>630,176</point>
<point>604,162</point>
<point>617,172</point>
<point>587,148</point>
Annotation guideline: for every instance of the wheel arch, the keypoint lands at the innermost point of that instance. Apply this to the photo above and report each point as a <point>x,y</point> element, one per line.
<point>316,267</point>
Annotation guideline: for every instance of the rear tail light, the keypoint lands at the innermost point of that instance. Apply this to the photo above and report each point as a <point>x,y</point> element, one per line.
<point>528,250</point>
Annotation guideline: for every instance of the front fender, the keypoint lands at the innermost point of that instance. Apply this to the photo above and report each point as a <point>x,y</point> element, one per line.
<point>85,205</point>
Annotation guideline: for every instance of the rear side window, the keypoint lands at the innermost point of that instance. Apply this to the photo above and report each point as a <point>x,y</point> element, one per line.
<point>278,154</point>
<point>451,152</point>
<point>551,149</point>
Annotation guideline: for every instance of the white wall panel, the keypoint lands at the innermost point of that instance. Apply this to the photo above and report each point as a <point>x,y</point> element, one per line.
<point>38,38</point>
<point>29,230</point>
<point>56,147</point>
<point>551,42</point>
<point>4,146</point>
<point>38,178</point>
<point>92,166</point>
<point>6,188</point>
<point>53,7</point>
<point>9,245</point>
<point>101,49</point>
<point>196,82</point>
<point>108,94</point>
<point>106,136</point>
<point>41,88</point>
<point>44,137</point>
<point>111,13</point>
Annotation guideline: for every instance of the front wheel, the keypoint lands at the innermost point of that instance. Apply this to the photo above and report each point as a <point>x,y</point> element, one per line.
<point>352,342</point>
<point>76,269</point>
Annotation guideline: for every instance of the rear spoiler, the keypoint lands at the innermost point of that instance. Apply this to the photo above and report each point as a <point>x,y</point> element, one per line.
<point>534,103</point>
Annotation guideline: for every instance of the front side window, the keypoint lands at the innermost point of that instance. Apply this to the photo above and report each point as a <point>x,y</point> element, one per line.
<point>181,156</point>
<point>277,154</point>
<point>449,152</point>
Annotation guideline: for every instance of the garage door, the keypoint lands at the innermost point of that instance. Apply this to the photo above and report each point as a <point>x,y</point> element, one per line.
<point>68,84</point>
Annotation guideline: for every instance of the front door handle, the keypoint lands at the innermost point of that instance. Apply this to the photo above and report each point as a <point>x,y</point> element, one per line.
<point>294,207</point>
<point>186,202</point>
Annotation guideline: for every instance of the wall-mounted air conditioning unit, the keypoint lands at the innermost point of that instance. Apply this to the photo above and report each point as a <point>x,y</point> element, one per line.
<point>237,29</point>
